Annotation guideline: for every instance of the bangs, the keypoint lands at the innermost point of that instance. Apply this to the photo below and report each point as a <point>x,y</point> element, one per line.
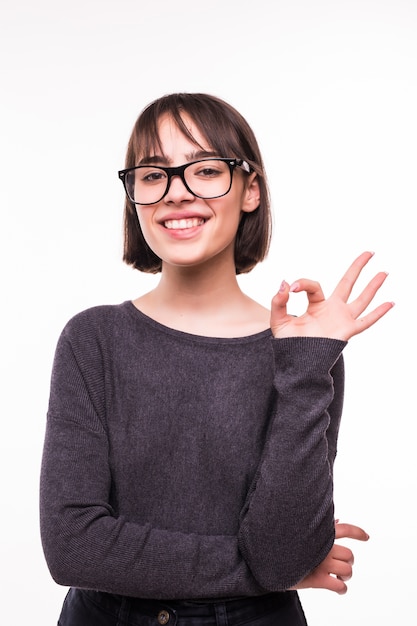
<point>217,124</point>
<point>145,139</point>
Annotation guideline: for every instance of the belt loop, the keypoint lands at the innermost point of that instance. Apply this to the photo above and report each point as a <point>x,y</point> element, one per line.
<point>221,614</point>
<point>123,615</point>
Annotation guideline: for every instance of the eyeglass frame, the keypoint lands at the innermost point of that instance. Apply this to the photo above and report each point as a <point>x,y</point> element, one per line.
<point>179,171</point>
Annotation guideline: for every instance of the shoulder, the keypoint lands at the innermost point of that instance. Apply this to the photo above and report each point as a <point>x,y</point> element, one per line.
<point>100,316</point>
<point>96,325</point>
<point>94,337</point>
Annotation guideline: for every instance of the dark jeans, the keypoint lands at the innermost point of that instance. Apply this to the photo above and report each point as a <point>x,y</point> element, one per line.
<point>93,608</point>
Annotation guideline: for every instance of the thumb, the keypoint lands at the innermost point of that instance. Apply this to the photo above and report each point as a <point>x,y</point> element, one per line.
<point>279,302</point>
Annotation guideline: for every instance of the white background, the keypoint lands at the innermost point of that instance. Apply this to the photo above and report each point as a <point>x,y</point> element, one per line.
<point>330,89</point>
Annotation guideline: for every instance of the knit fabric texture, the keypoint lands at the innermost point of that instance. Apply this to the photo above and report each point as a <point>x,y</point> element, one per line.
<point>187,467</point>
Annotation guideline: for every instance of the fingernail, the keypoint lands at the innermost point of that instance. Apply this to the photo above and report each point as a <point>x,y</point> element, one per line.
<point>282,287</point>
<point>294,286</point>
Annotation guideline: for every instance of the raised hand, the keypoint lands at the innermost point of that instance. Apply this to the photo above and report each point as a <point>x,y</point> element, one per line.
<point>336,569</point>
<point>334,317</point>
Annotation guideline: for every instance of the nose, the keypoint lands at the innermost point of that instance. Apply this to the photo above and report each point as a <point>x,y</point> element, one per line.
<point>177,191</point>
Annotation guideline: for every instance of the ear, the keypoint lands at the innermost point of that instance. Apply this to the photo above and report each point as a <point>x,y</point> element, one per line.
<point>251,194</point>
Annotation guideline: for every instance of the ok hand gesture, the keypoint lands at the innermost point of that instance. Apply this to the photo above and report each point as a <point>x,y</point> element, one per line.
<point>334,317</point>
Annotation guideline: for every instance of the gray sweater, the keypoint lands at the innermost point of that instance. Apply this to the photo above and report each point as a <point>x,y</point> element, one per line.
<point>181,466</point>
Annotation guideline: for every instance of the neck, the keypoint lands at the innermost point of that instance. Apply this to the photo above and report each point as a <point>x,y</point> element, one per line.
<point>198,288</point>
<point>204,299</point>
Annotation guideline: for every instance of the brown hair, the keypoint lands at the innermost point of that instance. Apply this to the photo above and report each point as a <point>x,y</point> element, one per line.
<point>229,135</point>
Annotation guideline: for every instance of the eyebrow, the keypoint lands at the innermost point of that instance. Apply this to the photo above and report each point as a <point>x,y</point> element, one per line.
<point>190,156</point>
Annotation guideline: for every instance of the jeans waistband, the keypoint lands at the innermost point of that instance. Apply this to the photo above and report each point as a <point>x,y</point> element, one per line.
<point>166,612</point>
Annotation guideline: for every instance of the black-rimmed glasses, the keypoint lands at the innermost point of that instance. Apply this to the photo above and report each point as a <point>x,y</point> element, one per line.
<point>206,178</point>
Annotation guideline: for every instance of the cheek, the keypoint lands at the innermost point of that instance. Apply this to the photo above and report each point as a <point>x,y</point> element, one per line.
<point>145,222</point>
<point>143,218</point>
<point>229,214</point>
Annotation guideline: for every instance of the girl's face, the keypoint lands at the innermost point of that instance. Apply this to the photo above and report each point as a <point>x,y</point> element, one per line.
<point>184,230</point>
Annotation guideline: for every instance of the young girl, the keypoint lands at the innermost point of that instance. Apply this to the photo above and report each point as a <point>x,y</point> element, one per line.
<point>191,433</point>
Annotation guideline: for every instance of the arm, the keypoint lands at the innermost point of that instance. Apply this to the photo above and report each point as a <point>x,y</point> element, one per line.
<point>302,421</point>
<point>294,481</point>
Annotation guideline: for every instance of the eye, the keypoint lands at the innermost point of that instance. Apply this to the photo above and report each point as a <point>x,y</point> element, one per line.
<point>209,169</point>
<point>149,175</point>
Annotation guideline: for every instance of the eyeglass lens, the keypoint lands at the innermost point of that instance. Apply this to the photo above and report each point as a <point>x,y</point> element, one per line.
<point>147,184</point>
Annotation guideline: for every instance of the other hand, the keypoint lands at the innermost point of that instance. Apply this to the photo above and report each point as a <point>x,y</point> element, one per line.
<point>336,569</point>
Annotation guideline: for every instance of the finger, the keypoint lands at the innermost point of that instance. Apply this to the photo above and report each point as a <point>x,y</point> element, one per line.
<point>341,563</point>
<point>344,578</point>
<point>342,570</point>
<point>323,581</point>
<point>350,531</point>
<point>367,295</point>
<point>342,553</point>
<point>311,287</point>
<point>369,320</point>
<point>345,285</point>
<point>333,583</point>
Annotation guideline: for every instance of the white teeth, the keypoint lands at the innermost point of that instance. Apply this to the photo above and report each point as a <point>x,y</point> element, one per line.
<point>191,222</point>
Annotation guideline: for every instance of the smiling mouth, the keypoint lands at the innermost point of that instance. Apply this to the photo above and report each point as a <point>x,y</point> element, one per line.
<point>182,224</point>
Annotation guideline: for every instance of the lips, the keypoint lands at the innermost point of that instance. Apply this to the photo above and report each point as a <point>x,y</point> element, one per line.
<point>183,223</point>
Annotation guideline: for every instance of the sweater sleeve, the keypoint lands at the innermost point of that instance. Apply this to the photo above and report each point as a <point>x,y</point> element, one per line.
<point>286,526</point>
<point>292,492</point>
